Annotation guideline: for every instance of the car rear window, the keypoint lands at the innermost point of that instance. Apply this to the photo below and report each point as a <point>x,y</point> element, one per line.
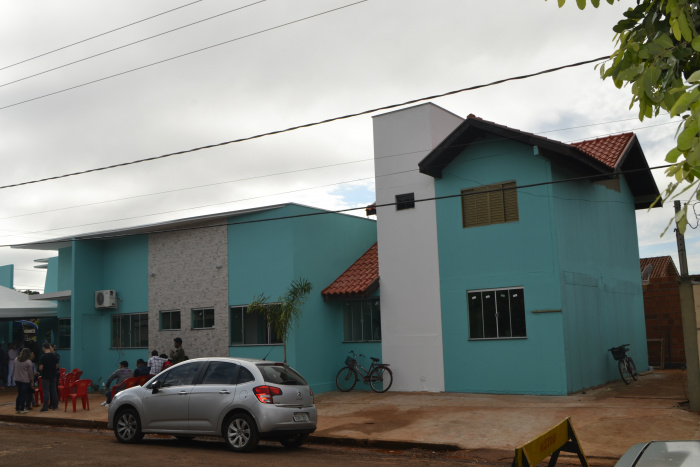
<point>279,374</point>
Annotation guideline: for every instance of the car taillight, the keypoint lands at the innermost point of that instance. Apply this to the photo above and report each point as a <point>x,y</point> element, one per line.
<point>265,394</point>
<point>311,393</point>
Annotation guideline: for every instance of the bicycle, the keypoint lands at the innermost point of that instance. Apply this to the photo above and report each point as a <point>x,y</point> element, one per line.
<point>628,370</point>
<point>378,375</point>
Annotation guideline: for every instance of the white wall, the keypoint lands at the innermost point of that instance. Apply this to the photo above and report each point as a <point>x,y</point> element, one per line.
<point>408,254</point>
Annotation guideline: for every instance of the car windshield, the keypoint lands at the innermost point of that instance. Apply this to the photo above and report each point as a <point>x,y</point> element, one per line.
<point>281,374</point>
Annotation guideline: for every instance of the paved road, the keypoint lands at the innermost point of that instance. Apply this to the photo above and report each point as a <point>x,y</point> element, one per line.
<point>36,445</point>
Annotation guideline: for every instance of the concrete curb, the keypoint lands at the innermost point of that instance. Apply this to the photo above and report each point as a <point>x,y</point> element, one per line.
<point>328,440</point>
<point>50,421</point>
<point>383,444</point>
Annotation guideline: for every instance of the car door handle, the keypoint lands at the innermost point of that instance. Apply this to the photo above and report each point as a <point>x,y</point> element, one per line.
<point>224,391</point>
<point>182,393</point>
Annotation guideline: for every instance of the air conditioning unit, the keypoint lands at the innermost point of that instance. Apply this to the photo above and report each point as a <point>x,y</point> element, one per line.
<point>105,299</point>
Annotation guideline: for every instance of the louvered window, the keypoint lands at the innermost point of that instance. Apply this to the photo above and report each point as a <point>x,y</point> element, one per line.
<point>490,204</point>
<point>405,201</point>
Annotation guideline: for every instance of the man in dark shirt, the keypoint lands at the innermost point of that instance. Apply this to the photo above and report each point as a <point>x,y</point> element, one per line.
<point>141,368</point>
<point>48,368</point>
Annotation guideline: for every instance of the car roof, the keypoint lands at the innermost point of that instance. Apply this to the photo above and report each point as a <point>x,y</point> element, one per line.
<point>662,454</point>
<point>254,361</point>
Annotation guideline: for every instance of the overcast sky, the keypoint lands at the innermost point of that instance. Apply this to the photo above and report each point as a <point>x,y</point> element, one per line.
<point>364,56</point>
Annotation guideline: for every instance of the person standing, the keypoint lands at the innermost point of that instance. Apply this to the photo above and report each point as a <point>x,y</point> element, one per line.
<point>11,357</point>
<point>177,354</point>
<point>48,368</point>
<point>3,367</point>
<point>155,363</point>
<point>58,360</point>
<point>24,378</point>
<point>30,389</point>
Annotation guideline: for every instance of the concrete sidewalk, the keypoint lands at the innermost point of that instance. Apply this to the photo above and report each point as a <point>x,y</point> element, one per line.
<point>607,420</point>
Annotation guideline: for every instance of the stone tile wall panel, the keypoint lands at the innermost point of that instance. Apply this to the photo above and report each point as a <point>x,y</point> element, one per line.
<point>189,269</point>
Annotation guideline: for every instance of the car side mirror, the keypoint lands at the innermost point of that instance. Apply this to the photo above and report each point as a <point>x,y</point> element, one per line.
<point>155,386</point>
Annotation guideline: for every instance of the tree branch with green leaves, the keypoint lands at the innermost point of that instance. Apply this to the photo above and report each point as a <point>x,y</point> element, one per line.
<point>658,54</point>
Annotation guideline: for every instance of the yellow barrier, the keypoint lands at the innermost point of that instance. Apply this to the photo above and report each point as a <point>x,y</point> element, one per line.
<point>560,438</point>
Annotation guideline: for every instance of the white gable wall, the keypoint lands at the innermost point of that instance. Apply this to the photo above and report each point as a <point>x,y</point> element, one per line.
<point>408,253</point>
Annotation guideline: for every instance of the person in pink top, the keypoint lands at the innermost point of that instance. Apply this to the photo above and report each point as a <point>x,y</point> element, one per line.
<point>24,378</point>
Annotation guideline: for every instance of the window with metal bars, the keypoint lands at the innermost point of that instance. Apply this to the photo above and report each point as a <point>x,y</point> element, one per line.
<point>490,204</point>
<point>251,328</point>
<point>202,318</point>
<point>170,320</point>
<point>130,331</point>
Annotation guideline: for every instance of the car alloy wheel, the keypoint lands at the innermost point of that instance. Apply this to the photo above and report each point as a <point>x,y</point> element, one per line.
<point>127,427</point>
<point>240,433</point>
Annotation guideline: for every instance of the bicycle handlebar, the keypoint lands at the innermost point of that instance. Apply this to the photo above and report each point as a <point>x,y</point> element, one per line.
<point>613,348</point>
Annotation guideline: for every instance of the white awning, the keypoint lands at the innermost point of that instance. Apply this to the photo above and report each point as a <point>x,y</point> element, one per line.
<point>15,304</point>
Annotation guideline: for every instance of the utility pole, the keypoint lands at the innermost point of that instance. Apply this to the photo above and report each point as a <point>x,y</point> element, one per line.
<point>690,325</point>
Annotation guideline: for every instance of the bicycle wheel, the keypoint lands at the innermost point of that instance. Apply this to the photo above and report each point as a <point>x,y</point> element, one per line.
<point>624,371</point>
<point>632,368</point>
<point>380,379</point>
<point>346,379</point>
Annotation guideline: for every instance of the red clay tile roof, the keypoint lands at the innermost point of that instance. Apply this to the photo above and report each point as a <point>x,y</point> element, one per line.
<point>663,266</point>
<point>607,150</point>
<point>359,280</point>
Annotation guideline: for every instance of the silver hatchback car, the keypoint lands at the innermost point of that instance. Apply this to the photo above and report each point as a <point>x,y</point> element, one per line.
<point>240,399</point>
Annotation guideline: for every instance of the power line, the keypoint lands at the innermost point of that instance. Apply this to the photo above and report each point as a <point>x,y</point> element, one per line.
<point>192,208</point>
<point>308,125</point>
<point>341,211</point>
<point>184,55</point>
<point>99,35</point>
<point>188,188</point>
<point>130,44</point>
<point>20,232</point>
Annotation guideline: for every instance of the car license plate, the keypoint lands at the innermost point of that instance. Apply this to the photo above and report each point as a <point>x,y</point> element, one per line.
<point>301,417</point>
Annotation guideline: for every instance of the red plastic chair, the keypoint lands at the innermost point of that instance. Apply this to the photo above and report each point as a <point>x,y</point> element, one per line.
<point>143,379</point>
<point>80,392</point>
<point>38,393</point>
<point>128,383</point>
<point>65,387</point>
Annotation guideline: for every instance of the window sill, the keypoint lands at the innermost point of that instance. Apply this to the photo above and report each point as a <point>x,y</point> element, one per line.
<point>476,339</point>
<point>254,345</point>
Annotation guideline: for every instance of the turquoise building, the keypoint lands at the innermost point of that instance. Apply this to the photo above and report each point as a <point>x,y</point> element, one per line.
<point>192,278</point>
<point>533,264</point>
<point>500,262</point>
